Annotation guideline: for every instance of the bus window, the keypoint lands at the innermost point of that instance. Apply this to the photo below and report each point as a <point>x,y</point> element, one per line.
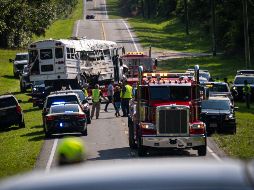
<point>46,54</point>
<point>70,53</point>
<point>59,53</point>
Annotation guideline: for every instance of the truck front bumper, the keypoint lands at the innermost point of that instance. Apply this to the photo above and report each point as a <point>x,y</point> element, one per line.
<point>173,142</point>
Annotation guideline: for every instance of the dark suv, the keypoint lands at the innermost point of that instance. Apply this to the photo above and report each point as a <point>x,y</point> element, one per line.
<point>10,112</point>
<point>218,114</point>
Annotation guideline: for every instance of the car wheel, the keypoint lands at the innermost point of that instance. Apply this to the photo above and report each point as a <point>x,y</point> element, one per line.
<point>84,133</point>
<point>132,142</point>
<point>22,124</point>
<point>202,150</point>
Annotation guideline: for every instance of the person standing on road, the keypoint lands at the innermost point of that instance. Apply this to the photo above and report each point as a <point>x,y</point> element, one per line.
<point>96,99</point>
<point>117,101</point>
<point>247,93</point>
<point>110,94</point>
<point>85,90</point>
<point>126,95</point>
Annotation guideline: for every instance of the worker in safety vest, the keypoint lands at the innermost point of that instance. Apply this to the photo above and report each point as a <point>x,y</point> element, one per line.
<point>85,90</point>
<point>96,98</point>
<point>126,95</point>
<point>71,150</point>
<point>247,93</point>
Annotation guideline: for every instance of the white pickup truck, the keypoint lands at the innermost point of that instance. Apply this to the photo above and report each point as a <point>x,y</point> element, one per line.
<point>21,59</point>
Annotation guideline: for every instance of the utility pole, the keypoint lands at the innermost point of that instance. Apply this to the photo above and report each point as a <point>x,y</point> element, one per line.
<point>246,34</point>
<point>213,27</point>
<point>186,15</point>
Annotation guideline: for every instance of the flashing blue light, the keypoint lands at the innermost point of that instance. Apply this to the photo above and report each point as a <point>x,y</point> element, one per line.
<point>58,103</point>
<point>61,125</point>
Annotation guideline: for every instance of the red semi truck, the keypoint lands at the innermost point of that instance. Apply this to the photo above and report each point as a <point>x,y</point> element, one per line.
<point>165,113</point>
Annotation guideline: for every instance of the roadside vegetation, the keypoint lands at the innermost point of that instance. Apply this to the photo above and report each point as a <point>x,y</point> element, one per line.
<point>168,33</point>
<point>20,148</point>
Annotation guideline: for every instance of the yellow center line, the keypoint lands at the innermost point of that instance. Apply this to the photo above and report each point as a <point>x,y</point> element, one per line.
<point>103,31</point>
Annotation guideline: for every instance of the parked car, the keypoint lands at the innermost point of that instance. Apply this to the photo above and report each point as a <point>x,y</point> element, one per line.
<point>11,112</point>
<point>150,174</point>
<point>25,80</point>
<point>238,85</point>
<point>84,101</point>
<point>218,115</point>
<point>54,99</point>
<point>21,59</point>
<point>39,93</point>
<point>64,118</point>
<point>202,73</point>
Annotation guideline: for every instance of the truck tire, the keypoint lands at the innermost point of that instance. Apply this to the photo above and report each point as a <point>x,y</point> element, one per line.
<point>132,143</point>
<point>142,151</point>
<point>202,150</point>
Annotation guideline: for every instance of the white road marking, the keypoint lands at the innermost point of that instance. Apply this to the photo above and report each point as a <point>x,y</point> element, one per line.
<point>214,154</point>
<point>106,9</point>
<point>77,29</point>
<point>51,157</point>
<point>84,10</point>
<point>130,35</point>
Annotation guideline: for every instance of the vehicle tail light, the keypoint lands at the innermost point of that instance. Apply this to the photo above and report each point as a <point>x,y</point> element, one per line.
<point>81,116</point>
<point>18,109</point>
<point>148,129</point>
<point>198,128</point>
<point>50,118</point>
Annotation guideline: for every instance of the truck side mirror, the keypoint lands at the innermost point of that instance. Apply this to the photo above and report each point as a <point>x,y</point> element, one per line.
<point>11,60</point>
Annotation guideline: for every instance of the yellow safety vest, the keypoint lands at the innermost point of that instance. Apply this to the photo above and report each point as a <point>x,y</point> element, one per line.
<point>85,93</point>
<point>96,95</point>
<point>247,89</point>
<point>127,93</point>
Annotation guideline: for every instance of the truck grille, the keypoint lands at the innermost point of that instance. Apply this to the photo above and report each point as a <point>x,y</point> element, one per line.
<point>173,120</point>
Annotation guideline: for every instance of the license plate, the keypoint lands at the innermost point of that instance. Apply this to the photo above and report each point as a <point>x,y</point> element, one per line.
<point>213,125</point>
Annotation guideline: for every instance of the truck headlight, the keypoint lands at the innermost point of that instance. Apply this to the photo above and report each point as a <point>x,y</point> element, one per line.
<point>148,126</point>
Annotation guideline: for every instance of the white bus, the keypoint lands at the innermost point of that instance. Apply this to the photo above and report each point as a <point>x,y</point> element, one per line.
<point>72,62</point>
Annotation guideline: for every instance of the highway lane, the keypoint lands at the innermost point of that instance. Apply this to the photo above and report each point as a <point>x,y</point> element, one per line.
<point>107,138</point>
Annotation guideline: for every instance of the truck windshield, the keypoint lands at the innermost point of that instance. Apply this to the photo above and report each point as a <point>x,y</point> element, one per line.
<point>170,93</point>
<point>216,104</point>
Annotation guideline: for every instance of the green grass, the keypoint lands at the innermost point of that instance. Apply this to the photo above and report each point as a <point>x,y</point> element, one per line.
<point>219,66</point>
<point>62,28</point>
<point>113,9</point>
<point>240,145</point>
<point>169,35</point>
<point>19,148</point>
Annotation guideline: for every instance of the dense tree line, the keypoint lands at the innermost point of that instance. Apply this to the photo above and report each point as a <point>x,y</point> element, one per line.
<point>20,19</point>
<point>228,16</point>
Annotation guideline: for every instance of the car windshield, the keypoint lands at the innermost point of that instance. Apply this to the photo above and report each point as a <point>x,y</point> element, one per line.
<point>38,82</point>
<point>240,80</point>
<point>61,99</point>
<point>170,93</point>
<point>72,108</point>
<point>218,87</point>
<point>215,104</point>
<point>21,57</point>
<point>80,95</point>
<point>205,75</point>
<point>5,102</point>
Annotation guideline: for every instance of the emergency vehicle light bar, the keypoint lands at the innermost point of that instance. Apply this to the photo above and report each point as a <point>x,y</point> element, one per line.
<point>165,75</point>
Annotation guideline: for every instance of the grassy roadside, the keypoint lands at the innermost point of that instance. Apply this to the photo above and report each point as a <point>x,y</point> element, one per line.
<point>170,35</point>
<point>19,148</point>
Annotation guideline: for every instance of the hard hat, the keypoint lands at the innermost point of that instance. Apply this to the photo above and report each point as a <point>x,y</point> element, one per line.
<point>71,150</point>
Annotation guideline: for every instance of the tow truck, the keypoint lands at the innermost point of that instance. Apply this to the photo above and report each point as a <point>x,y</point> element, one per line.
<point>165,113</point>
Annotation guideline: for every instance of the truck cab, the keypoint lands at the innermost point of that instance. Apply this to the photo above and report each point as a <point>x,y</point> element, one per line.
<point>21,59</point>
<point>165,114</point>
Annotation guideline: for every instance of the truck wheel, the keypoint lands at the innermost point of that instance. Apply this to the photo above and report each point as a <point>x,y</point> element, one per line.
<point>142,151</point>
<point>132,142</point>
<point>202,150</point>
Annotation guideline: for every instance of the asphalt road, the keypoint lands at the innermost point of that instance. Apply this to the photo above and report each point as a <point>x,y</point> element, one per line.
<point>107,139</point>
